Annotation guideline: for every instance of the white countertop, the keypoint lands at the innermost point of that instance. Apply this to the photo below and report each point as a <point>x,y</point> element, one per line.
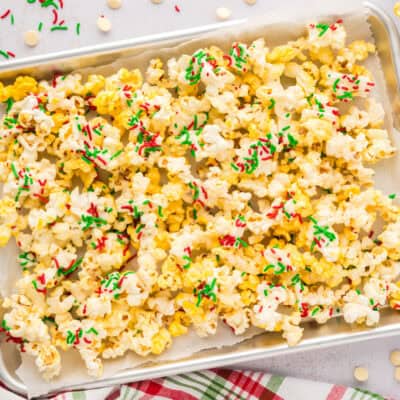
<point>140,17</point>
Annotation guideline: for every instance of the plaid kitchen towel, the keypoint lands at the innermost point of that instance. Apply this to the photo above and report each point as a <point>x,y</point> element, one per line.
<point>222,384</point>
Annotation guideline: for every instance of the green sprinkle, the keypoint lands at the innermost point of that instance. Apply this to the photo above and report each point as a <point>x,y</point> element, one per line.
<point>115,155</point>
<point>59,28</point>
<point>9,102</point>
<point>235,167</point>
<point>272,103</point>
<point>392,196</point>
<point>139,228</point>
<point>292,141</point>
<point>78,28</point>
<point>323,28</point>
<point>70,337</point>
<point>49,3</point>
<point>4,325</point>
<point>160,213</point>
<point>345,95</point>
<point>335,84</point>
<point>87,161</point>
<point>4,54</point>
<point>371,301</point>
<point>358,291</point>
<point>40,26</point>
<point>315,310</point>
<point>14,171</point>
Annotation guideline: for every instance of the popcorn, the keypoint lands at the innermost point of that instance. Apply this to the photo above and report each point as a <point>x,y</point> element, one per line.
<point>226,188</point>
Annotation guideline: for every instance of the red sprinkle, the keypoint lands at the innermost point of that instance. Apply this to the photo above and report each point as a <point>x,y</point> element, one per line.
<point>92,210</point>
<point>177,9</point>
<point>42,279</point>
<point>10,53</point>
<point>101,243</point>
<point>55,16</point>
<point>5,15</point>
<point>304,310</point>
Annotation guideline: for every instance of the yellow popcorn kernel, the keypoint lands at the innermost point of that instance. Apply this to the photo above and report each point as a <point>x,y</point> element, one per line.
<point>122,119</point>
<point>5,235</point>
<point>254,132</point>
<point>108,102</point>
<point>361,49</point>
<point>154,176</point>
<point>248,297</point>
<point>160,341</point>
<point>253,81</point>
<point>217,53</point>
<point>283,54</point>
<point>162,240</point>
<point>82,169</point>
<point>192,310</point>
<point>347,232</point>
<point>59,119</point>
<point>177,329</point>
<point>250,282</point>
<point>132,78</point>
<point>23,86</point>
<point>323,54</point>
<point>94,84</point>
<point>7,206</point>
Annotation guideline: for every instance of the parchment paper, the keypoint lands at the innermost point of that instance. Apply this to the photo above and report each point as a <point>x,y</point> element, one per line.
<point>277,28</point>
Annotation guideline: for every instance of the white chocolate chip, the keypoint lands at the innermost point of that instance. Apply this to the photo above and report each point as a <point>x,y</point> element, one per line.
<point>104,24</point>
<point>395,358</point>
<point>251,2</point>
<point>223,13</point>
<point>397,374</point>
<point>114,4</point>
<point>156,1</point>
<point>31,38</point>
<point>361,374</point>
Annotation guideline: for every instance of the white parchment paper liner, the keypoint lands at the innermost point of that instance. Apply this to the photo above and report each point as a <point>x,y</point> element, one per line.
<point>277,27</point>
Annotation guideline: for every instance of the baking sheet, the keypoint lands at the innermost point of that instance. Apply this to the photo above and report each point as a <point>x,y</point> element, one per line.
<point>274,32</point>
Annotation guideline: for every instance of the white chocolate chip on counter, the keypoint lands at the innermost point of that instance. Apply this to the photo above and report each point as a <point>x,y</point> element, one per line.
<point>156,1</point>
<point>103,23</point>
<point>114,4</point>
<point>223,13</point>
<point>251,2</point>
<point>31,38</point>
<point>361,374</point>
<point>395,358</point>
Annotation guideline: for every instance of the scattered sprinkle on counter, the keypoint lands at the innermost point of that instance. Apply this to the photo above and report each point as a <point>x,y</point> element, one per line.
<point>250,2</point>
<point>361,374</point>
<point>157,1</point>
<point>223,13</point>
<point>114,4</point>
<point>31,38</point>
<point>104,24</point>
